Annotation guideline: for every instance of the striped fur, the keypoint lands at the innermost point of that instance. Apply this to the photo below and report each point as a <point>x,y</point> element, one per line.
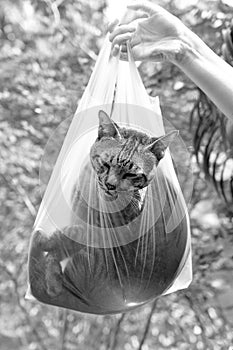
<point>83,277</point>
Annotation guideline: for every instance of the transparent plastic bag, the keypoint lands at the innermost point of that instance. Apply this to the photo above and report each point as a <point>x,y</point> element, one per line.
<point>112,231</point>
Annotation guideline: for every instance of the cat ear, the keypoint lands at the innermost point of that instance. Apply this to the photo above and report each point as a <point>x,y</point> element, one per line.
<point>159,146</point>
<point>107,128</point>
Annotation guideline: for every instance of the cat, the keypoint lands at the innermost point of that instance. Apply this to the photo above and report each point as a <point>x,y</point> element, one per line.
<point>114,278</point>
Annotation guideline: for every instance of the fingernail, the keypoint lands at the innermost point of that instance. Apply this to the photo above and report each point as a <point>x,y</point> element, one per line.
<point>112,24</point>
<point>130,4</point>
<point>115,50</point>
<point>132,29</point>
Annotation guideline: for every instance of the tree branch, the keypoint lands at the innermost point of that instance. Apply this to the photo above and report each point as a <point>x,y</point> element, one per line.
<point>208,344</point>
<point>64,329</point>
<point>116,332</point>
<point>13,183</point>
<point>147,327</point>
<point>22,307</point>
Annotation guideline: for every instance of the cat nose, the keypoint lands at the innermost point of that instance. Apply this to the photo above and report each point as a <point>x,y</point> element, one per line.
<point>110,186</point>
<point>111,181</point>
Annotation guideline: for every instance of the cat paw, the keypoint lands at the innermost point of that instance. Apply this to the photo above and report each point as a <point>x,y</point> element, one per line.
<point>53,276</point>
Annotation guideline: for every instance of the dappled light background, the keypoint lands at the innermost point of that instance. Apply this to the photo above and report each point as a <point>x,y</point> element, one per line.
<point>48,49</point>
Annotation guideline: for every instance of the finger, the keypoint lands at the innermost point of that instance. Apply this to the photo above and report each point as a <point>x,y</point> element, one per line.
<point>115,50</point>
<point>131,16</point>
<point>147,7</point>
<point>124,48</point>
<point>142,6</point>
<point>124,56</point>
<point>112,25</point>
<point>134,41</point>
<point>120,39</point>
<point>121,30</point>
<point>160,58</point>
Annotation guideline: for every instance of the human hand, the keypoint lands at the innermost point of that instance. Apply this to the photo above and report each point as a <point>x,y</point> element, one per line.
<point>157,37</point>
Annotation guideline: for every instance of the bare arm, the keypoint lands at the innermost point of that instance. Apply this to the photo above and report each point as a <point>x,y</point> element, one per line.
<point>208,71</point>
<point>162,36</point>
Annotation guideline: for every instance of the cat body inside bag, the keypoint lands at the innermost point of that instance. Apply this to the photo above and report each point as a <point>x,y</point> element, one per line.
<point>112,231</point>
<point>122,200</point>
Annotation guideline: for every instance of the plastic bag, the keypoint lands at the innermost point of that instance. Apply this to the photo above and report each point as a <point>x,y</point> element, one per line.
<point>112,231</point>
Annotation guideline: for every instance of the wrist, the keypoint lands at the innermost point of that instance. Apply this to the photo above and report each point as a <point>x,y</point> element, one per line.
<point>208,71</point>
<point>191,48</point>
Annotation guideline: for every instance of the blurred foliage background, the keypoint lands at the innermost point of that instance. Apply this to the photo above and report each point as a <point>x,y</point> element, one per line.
<point>47,51</point>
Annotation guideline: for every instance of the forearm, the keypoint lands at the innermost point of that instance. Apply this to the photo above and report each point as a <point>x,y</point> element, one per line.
<point>208,71</point>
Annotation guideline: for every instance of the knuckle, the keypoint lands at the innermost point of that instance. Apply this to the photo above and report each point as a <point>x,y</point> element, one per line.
<point>121,39</point>
<point>112,25</point>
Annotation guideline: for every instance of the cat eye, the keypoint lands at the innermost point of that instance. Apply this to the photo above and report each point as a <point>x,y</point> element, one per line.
<point>133,176</point>
<point>101,170</point>
<point>102,167</point>
<point>129,176</point>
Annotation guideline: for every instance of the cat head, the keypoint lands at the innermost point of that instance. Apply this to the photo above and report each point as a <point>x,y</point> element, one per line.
<point>125,159</point>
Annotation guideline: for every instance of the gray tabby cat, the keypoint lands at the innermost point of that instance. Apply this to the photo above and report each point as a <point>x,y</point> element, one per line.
<point>66,273</point>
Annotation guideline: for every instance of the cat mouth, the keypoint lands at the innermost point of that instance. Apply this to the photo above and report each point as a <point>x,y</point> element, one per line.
<point>111,194</point>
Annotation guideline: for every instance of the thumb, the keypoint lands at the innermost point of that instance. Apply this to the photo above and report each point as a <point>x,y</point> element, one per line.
<point>146,7</point>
